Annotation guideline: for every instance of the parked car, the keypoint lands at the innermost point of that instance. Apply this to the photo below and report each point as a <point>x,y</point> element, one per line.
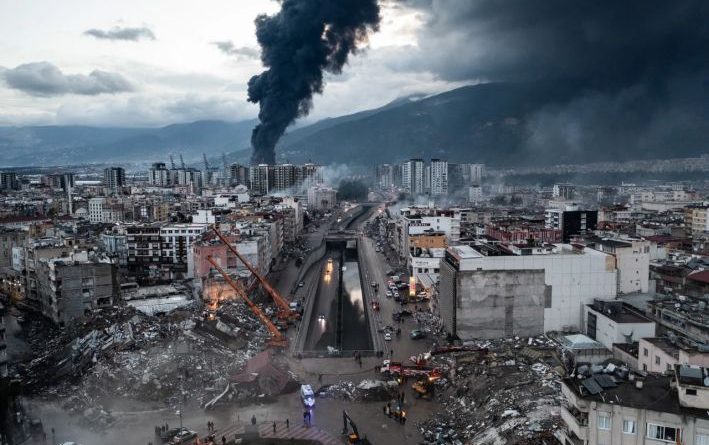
<point>387,336</point>
<point>417,334</point>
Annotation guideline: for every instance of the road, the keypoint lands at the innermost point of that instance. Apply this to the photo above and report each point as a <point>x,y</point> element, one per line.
<point>376,266</point>
<point>322,333</point>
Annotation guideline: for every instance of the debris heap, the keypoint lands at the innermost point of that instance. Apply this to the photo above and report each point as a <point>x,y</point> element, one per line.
<point>510,396</point>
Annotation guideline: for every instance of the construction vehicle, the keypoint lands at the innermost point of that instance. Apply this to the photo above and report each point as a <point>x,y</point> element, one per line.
<point>397,369</point>
<point>352,437</point>
<point>277,338</point>
<point>425,387</point>
<point>285,312</point>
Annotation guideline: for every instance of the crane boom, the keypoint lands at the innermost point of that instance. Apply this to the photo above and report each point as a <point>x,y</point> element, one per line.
<point>277,339</point>
<point>277,298</point>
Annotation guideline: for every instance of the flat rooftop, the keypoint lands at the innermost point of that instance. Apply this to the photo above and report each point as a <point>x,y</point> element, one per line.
<point>655,395</point>
<point>464,252</point>
<point>627,314</point>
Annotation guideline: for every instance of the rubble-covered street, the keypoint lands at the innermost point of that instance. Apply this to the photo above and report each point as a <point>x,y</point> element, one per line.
<point>123,353</point>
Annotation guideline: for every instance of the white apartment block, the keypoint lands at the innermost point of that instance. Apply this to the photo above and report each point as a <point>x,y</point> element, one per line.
<point>412,176</point>
<point>439,177</point>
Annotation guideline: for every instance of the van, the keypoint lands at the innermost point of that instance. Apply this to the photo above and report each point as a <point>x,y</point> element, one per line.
<point>307,395</point>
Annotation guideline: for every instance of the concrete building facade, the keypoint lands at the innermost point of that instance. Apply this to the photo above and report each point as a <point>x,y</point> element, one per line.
<point>69,287</point>
<point>516,288</point>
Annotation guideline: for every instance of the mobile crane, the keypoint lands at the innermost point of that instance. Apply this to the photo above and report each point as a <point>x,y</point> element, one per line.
<point>284,310</point>
<point>277,339</point>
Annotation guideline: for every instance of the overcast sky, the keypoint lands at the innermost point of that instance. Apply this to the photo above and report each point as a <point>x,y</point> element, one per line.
<point>640,65</point>
<point>146,63</point>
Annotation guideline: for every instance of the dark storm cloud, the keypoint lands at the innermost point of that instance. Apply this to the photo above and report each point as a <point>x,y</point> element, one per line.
<point>305,39</point>
<point>605,41</point>
<point>244,52</point>
<point>639,68</point>
<point>45,79</point>
<point>118,33</point>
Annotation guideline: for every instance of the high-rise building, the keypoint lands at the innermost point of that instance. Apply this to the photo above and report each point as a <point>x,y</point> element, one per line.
<point>9,181</point>
<point>564,191</point>
<point>571,221</point>
<point>439,177</point>
<point>238,174</point>
<point>267,179</point>
<point>159,175</point>
<point>114,178</point>
<point>63,181</point>
<point>261,177</point>
<point>190,177</point>
<point>412,176</point>
<point>284,176</point>
<point>477,171</point>
<point>385,176</point>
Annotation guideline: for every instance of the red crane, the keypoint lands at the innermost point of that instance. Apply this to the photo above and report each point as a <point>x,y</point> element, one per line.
<point>277,338</point>
<point>284,310</point>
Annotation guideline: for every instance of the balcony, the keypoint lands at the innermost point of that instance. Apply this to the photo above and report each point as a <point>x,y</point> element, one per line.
<point>576,422</point>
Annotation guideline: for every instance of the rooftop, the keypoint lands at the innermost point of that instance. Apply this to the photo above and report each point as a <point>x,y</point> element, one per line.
<point>619,311</point>
<point>665,344</point>
<point>579,342</point>
<point>655,394</point>
<point>464,252</point>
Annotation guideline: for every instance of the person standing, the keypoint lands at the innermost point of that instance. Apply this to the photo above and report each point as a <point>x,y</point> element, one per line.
<point>287,424</point>
<point>274,427</point>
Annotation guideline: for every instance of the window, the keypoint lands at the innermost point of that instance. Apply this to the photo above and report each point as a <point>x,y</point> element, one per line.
<point>629,427</point>
<point>604,421</point>
<point>701,439</point>
<point>659,432</point>
<point>657,359</point>
<point>645,352</point>
<point>644,366</point>
<point>691,392</point>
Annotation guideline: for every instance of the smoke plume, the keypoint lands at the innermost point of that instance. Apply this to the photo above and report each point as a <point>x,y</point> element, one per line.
<point>304,39</point>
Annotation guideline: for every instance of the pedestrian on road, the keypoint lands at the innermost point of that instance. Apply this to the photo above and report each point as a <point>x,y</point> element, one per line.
<point>253,419</point>
<point>274,427</point>
<point>223,440</point>
<point>287,424</point>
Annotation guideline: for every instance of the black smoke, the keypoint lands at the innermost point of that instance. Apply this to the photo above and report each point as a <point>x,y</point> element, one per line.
<point>306,38</point>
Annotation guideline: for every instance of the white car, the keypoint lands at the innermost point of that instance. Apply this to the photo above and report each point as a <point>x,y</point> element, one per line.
<point>387,336</point>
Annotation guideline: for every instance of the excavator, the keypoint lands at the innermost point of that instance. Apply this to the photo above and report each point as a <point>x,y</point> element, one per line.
<point>352,437</point>
<point>285,312</point>
<point>278,340</point>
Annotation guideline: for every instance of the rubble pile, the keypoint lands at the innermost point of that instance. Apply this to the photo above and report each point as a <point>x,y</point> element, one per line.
<point>366,390</point>
<point>509,396</point>
<point>124,353</point>
<point>428,322</point>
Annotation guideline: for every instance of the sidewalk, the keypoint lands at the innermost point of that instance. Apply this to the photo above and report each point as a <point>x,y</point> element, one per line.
<point>264,430</point>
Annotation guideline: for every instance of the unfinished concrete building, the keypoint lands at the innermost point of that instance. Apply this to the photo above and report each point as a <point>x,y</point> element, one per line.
<point>70,287</point>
